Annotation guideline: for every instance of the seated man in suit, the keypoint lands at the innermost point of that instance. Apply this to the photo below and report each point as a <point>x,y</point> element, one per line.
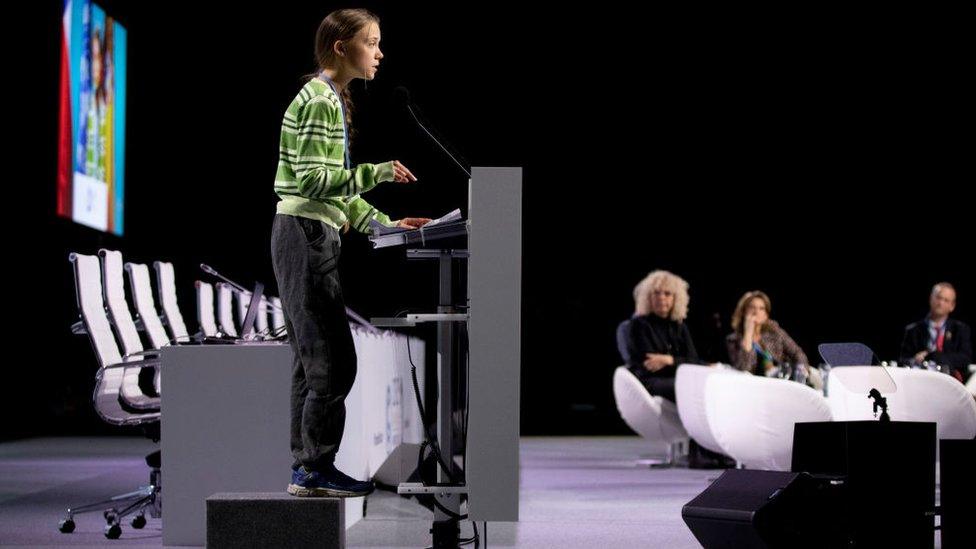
<point>938,338</point>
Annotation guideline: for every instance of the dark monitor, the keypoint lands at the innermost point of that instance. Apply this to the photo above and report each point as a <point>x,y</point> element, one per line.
<point>247,326</point>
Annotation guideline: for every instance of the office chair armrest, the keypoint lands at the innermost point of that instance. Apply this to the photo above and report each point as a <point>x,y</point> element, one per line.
<point>146,405</point>
<point>185,340</point>
<point>151,354</point>
<point>152,363</point>
<point>150,405</point>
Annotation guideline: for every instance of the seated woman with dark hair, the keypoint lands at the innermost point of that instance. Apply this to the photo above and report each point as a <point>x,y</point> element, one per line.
<point>655,341</point>
<point>759,345</point>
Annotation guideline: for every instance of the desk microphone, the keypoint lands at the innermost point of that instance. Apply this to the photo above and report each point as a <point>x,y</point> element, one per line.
<point>402,96</point>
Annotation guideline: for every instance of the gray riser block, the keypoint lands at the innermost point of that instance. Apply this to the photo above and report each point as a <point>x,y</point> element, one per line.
<point>244,520</point>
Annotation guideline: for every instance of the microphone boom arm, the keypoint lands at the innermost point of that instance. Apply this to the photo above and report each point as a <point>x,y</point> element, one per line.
<point>419,123</point>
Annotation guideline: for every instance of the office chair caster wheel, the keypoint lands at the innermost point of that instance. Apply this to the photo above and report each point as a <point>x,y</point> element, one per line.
<point>108,514</point>
<point>66,526</point>
<point>138,522</point>
<point>113,531</point>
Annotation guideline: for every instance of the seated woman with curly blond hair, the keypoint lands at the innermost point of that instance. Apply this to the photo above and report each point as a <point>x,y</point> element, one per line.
<point>759,344</point>
<point>655,341</point>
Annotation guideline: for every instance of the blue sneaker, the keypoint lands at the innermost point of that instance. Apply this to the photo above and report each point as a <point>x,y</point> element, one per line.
<point>329,482</point>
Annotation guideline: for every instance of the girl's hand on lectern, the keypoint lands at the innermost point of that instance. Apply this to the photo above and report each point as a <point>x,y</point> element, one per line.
<point>413,222</point>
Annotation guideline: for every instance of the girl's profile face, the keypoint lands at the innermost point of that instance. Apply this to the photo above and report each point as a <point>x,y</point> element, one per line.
<point>363,52</point>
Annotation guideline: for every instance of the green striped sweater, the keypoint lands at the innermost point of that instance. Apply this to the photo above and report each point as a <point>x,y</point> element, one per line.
<point>311,180</point>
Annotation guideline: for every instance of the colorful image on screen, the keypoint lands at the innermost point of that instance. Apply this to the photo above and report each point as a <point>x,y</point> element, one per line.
<point>91,137</point>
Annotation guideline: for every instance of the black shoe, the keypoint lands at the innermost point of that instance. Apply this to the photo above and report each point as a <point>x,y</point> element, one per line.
<point>702,458</point>
<point>329,482</point>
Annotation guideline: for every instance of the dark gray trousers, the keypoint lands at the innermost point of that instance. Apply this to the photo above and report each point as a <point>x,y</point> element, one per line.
<point>305,254</point>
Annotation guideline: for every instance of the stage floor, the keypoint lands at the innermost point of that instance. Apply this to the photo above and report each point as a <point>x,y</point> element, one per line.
<point>576,493</point>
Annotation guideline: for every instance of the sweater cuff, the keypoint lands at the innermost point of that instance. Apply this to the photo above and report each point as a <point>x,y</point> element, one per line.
<point>384,172</point>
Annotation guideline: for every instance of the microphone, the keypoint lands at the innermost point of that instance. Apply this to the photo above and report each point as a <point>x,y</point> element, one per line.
<point>402,96</point>
<point>235,286</point>
<point>879,402</point>
<point>213,272</point>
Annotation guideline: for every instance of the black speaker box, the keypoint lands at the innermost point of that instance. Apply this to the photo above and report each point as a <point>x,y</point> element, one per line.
<point>759,509</point>
<point>958,488</point>
<point>890,472</point>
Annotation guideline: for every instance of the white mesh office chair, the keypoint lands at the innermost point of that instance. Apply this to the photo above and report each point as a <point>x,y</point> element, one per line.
<point>113,288</point>
<point>205,309</point>
<point>116,389</point>
<point>166,290</point>
<point>225,310</point>
<point>278,317</point>
<point>142,295</point>
<point>261,320</point>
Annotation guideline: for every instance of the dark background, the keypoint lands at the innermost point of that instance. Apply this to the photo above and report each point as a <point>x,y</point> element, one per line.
<point>822,157</point>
